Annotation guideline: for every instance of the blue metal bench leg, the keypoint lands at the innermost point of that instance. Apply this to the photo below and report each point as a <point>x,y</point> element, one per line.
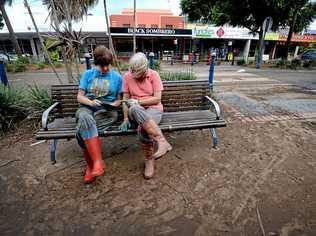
<point>53,148</point>
<point>214,137</point>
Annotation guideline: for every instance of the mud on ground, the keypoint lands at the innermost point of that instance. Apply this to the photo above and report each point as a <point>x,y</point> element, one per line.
<point>266,170</point>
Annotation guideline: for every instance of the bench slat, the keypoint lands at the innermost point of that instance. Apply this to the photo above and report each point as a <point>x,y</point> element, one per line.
<point>71,134</point>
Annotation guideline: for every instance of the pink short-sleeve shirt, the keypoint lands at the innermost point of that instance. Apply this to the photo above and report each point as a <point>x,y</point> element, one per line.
<point>143,89</point>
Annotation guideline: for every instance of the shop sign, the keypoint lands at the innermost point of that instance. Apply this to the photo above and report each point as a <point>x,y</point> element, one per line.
<point>209,31</point>
<point>271,36</point>
<point>150,31</point>
<point>299,38</point>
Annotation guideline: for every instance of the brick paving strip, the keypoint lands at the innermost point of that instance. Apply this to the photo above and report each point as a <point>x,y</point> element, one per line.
<point>239,117</point>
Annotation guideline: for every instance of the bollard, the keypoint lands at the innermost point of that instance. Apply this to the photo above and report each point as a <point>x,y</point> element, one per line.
<point>3,74</point>
<point>151,60</point>
<point>87,57</point>
<point>211,72</point>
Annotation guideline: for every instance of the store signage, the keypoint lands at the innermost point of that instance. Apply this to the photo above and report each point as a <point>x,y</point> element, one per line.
<point>209,31</point>
<point>271,36</point>
<point>220,32</point>
<point>150,31</point>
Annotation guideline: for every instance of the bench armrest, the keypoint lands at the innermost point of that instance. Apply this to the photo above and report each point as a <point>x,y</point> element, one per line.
<point>215,105</point>
<point>46,115</point>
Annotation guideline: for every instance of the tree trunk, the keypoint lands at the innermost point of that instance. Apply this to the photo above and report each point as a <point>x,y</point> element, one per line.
<point>258,49</point>
<point>110,37</point>
<point>134,31</point>
<point>41,40</point>
<point>66,62</point>
<point>77,58</point>
<point>289,36</point>
<point>10,29</point>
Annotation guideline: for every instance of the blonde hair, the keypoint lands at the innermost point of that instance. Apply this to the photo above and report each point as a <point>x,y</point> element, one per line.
<point>138,65</point>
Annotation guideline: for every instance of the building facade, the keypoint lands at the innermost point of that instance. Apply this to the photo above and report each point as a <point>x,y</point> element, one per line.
<point>147,18</point>
<point>168,36</point>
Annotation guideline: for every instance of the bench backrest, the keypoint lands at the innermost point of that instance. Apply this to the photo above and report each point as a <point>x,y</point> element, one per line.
<point>177,96</point>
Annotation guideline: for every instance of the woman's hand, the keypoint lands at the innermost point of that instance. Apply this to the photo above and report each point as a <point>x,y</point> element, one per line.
<point>132,102</point>
<point>116,103</point>
<point>95,103</point>
<point>125,125</point>
<point>82,99</point>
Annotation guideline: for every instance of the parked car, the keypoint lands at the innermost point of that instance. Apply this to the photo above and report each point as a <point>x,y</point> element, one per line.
<point>309,55</point>
<point>3,57</point>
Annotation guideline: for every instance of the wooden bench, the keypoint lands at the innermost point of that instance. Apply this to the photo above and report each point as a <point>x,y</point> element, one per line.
<point>187,106</point>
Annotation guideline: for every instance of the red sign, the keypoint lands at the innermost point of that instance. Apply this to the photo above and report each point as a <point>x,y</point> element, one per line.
<point>220,32</point>
<point>299,38</point>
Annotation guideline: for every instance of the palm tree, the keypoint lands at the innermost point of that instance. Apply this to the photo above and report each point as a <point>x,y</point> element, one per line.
<point>26,4</point>
<point>110,37</point>
<point>65,12</point>
<point>9,26</point>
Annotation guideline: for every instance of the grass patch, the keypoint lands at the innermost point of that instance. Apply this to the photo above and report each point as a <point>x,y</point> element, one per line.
<point>174,76</point>
<point>17,104</point>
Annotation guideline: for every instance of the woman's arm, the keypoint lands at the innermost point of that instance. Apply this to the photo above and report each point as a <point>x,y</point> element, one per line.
<point>81,98</point>
<point>154,100</point>
<point>126,96</point>
<point>117,102</point>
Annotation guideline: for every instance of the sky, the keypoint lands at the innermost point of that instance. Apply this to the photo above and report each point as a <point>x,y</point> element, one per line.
<point>21,21</point>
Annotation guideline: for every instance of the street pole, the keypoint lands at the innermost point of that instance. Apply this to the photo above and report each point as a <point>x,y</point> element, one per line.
<point>212,69</point>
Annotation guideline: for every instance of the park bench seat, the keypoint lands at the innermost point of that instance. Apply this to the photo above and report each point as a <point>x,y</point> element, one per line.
<point>187,106</point>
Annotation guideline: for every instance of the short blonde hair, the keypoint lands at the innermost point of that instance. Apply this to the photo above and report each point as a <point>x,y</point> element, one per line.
<point>138,64</point>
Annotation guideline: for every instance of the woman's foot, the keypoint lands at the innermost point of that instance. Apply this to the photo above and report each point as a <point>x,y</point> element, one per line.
<point>94,148</point>
<point>149,168</point>
<point>155,132</point>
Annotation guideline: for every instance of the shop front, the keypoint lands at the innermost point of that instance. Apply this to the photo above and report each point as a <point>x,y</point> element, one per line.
<point>276,43</point>
<point>228,42</point>
<point>164,43</point>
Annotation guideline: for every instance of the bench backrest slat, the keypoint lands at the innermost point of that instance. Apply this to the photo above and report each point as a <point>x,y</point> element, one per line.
<point>177,96</point>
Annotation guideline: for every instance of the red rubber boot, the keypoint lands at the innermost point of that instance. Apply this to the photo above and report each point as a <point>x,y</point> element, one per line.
<point>88,178</point>
<point>94,148</point>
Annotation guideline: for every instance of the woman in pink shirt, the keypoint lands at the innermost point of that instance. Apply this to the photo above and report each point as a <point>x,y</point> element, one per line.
<point>142,89</point>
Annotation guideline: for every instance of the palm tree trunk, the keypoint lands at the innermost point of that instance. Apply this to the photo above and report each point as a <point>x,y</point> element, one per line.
<point>134,31</point>
<point>41,41</point>
<point>10,29</point>
<point>110,37</point>
<point>65,60</point>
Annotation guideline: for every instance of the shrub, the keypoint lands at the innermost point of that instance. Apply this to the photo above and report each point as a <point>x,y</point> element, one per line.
<point>122,65</point>
<point>10,67</point>
<point>295,63</point>
<point>282,63</point>
<point>241,62</point>
<point>309,64</point>
<point>40,66</point>
<point>23,60</point>
<point>173,76</point>
<point>54,55</point>
<point>19,66</point>
<point>157,65</point>
<point>16,104</point>
<point>37,100</point>
<point>12,107</point>
<point>58,64</point>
